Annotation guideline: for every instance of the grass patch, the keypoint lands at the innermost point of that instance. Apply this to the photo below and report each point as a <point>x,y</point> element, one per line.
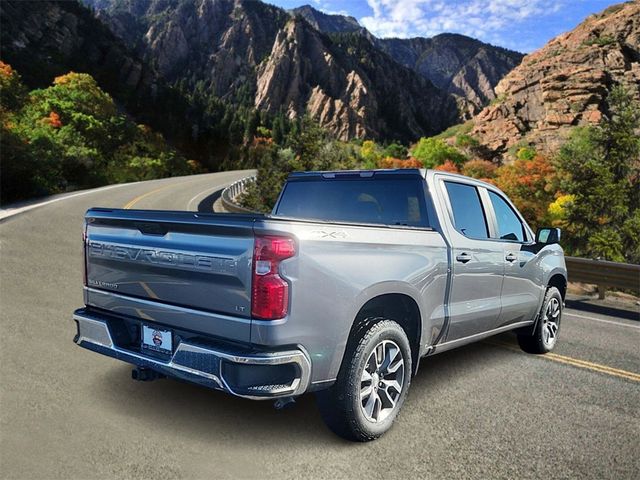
<point>612,9</point>
<point>455,130</point>
<point>499,99</point>
<point>600,41</point>
<point>576,107</point>
<point>522,150</point>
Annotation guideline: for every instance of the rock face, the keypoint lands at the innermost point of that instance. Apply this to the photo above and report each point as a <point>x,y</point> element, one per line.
<point>459,65</point>
<point>218,42</point>
<point>302,75</point>
<point>565,83</point>
<point>307,72</point>
<point>45,39</point>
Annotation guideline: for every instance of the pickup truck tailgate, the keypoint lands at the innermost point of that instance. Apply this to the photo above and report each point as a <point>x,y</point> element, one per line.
<point>169,259</point>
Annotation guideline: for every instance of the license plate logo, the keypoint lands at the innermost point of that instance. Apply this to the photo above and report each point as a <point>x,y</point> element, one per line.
<point>156,340</point>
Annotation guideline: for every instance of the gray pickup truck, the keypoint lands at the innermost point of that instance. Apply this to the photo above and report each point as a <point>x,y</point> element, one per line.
<point>352,279</point>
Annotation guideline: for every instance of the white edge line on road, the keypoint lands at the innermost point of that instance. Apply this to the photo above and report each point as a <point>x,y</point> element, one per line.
<point>208,190</point>
<point>602,320</point>
<point>212,189</point>
<point>10,212</point>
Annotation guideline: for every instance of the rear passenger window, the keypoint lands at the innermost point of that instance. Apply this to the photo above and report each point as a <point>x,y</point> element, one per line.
<point>509,225</point>
<point>468,215</point>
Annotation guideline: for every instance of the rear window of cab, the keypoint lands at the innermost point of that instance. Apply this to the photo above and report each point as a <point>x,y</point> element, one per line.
<point>375,200</point>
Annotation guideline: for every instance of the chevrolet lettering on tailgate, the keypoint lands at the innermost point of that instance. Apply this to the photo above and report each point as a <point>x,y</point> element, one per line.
<point>186,261</point>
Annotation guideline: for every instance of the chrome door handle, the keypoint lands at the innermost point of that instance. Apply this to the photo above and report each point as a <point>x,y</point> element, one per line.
<point>463,257</point>
<point>511,257</point>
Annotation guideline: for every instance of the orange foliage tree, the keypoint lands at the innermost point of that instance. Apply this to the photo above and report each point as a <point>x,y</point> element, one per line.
<point>448,166</point>
<point>12,92</point>
<point>531,184</point>
<point>53,119</point>
<point>390,162</point>
<point>481,169</point>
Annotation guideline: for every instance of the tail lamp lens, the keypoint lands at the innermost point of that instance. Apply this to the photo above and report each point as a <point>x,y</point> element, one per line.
<point>270,293</point>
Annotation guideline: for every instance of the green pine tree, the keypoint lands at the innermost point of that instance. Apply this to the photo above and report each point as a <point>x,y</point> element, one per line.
<point>601,169</point>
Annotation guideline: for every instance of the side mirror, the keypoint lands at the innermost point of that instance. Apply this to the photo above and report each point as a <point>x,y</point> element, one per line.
<point>548,236</point>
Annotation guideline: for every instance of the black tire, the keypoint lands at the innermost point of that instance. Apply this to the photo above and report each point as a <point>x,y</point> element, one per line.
<point>538,341</point>
<point>342,407</point>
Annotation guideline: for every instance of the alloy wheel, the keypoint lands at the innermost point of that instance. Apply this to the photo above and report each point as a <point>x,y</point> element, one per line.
<point>382,381</point>
<point>551,322</point>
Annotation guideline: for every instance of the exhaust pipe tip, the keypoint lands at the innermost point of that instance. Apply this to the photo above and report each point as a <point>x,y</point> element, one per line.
<point>284,403</point>
<point>142,374</point>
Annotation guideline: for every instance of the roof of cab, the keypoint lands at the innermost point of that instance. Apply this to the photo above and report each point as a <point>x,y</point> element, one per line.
<point>356,173</point>
<point>424,173</point>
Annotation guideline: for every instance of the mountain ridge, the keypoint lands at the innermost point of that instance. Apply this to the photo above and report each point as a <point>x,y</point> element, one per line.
<point>564,84</point>
<point>223,45</point>
<point>460,65</point>
<point>244,54</point>
<point>328,22</point>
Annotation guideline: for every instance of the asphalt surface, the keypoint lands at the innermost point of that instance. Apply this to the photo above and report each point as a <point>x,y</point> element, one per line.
<point>483,411</point>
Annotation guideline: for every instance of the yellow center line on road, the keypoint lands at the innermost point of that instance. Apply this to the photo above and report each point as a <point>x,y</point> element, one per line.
<point>145,195</point>
<point>595,367</point>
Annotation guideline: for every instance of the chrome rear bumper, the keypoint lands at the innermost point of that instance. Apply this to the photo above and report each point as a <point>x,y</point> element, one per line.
<point>199,364</point>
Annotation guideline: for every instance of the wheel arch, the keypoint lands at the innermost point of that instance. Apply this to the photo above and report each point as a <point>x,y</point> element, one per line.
<point>559,281</point>
<point>399,307</point>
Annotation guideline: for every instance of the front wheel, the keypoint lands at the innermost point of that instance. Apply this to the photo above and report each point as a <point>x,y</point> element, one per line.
<point>372,384</point>
<point>545,334</point>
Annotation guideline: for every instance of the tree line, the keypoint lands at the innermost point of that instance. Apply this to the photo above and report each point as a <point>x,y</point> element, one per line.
<point>72,135</point>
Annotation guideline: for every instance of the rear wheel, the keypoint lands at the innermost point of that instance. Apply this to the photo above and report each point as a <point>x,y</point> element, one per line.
<point>545,334</point>
<point>372,383</point>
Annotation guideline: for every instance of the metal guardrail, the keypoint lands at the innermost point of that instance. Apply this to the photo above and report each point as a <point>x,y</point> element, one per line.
<point>230,195</point>
<point>604,274</point>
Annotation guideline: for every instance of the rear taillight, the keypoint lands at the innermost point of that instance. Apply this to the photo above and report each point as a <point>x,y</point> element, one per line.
<point>269,292</point>
<point>84,250</point>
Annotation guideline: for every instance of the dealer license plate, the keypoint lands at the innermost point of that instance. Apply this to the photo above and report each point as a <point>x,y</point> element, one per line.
<point>156,340</point>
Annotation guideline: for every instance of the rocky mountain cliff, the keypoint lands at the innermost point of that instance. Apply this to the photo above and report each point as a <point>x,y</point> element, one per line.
<point>249,54</point>
<point>256,54</point>
<point>218,42</point>
<point>564,84</point>
<point>349,86</point>
<point>459,65</point>
<point>328,23</point>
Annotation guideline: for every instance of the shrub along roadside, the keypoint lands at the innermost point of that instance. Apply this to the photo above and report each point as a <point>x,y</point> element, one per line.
<point>71,135</point>
<point>599,170</point>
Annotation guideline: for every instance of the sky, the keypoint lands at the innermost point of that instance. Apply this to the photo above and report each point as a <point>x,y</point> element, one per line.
<point>522,25</point>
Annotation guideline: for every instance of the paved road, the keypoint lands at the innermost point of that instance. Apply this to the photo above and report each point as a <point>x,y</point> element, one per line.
<point>483,411</point>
